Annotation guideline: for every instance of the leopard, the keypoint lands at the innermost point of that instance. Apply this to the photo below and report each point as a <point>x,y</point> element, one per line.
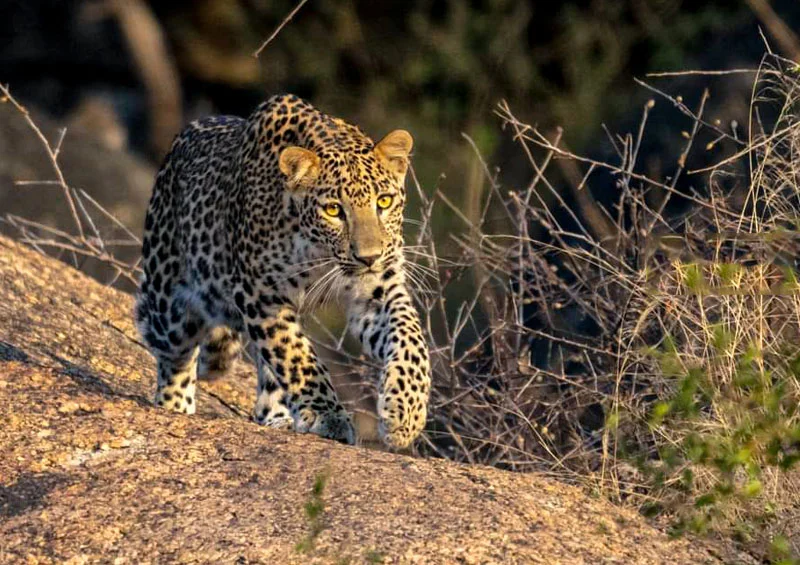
<point>249,221</point>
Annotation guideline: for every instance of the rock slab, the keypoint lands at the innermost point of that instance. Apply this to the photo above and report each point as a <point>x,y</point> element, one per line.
<point>91,472</point>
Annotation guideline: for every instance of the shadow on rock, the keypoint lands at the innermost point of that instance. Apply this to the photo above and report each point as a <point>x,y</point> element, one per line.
<point>92,381</point>
<point>28,492</point>
<point>10,352</point>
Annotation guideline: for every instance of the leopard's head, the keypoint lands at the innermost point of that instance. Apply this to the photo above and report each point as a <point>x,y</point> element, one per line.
<point>350,198</point>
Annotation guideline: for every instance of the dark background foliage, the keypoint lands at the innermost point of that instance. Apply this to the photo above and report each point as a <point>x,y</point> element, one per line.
<point>435,67</point>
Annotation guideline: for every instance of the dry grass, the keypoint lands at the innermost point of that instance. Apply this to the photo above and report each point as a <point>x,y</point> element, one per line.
<point>649,354</point>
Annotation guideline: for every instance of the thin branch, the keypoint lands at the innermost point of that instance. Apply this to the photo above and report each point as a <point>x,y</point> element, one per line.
<point>278,29</point>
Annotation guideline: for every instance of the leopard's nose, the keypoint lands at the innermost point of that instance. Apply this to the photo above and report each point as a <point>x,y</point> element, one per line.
<point>368,258</point>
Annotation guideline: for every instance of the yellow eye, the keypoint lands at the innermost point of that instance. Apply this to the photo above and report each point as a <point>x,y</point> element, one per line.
<point>385,201</point>
<point>333,209</point>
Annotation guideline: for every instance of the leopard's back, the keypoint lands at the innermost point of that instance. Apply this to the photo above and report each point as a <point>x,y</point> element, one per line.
<point>185,240</point>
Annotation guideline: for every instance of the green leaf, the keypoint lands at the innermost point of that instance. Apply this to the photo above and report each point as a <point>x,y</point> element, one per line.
<point>705,500</point>
<point>660,410</point>
<point>612,420</point>
<point>780,548</point>
<point>694,280</point>
<point>752,489</point>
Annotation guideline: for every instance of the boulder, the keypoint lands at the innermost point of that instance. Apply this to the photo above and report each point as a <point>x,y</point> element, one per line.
<point>90,471</point>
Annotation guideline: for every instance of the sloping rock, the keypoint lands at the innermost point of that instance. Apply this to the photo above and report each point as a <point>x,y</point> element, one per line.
<point>91,472</point>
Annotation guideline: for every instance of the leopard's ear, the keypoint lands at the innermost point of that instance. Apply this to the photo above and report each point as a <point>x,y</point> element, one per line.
<point>394,150</point>
<point>300,166</point>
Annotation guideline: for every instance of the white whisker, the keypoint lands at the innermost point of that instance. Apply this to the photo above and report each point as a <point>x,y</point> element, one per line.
<point>418,286</point>
<point>422,271</point>
<point>334,288</point>
<point>318,288</point>
<point>311,292</point>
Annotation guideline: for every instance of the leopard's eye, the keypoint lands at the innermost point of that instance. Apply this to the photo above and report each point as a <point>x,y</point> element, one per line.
<point>385,201</point>
<point>333,209</point>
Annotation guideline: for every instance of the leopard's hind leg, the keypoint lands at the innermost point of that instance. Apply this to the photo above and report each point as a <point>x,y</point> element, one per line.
<point>172,331</point>
<point>219,353</point>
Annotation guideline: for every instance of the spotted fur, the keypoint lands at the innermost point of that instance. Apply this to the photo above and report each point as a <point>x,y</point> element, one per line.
<point>241,234</point>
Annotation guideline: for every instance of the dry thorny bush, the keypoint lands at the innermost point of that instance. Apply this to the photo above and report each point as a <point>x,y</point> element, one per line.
<point>649,353</point>
<point>97,236</point>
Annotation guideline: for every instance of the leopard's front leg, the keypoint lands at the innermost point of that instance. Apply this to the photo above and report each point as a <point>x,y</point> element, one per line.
<point>297,382</point>
<point>386,323</point>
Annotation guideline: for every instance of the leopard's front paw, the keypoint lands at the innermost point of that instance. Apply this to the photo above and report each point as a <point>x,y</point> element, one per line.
<point>402,407</point>
<point>399,433</point>
<point>272,414</point>
<point>333,424</point>
<point>275,421</point>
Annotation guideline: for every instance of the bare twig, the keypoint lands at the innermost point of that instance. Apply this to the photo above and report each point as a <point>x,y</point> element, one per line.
<point>669,74</point>
<point>42,237</point>
<point>52,154</point>
<point>278,29</point>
